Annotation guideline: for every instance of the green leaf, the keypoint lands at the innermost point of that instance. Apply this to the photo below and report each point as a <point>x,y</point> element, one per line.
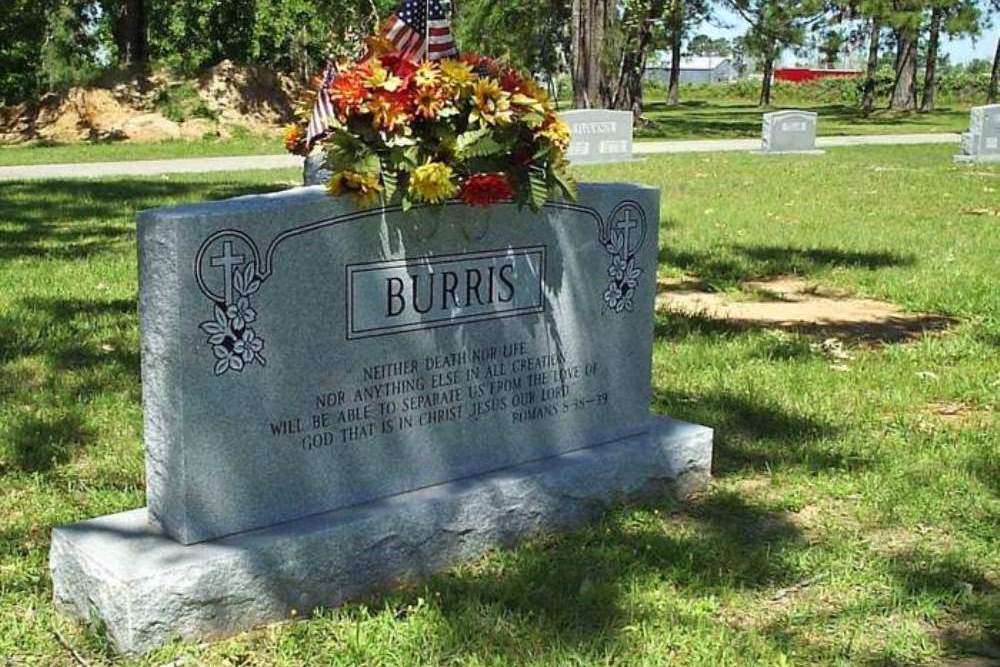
<point>469,138</point>
<point>390,181</point>
<point>406,203</point>
<point>539,189</point>
<point>566,183</point>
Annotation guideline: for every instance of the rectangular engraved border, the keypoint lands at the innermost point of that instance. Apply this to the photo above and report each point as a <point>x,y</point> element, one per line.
<point>445,321</point>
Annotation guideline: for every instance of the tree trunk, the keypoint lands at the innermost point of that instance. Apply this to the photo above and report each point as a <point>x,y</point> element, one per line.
<point>868,97</point>
<point>130,31</point>
<point>904,92</point>
<point>930,69</point>
<point>676,29</point>
<point>991,96</point>
<point>590,21</point>
<point>765,85</point>
<point>628,91</point>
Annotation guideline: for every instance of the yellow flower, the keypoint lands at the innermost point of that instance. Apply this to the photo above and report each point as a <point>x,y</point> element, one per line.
<point>431,183</point>
<point>491,105</point>
<point>457,72</point>
<point>556,131</point>
<point>365,188</point>
<point>426,75</point>
<point>380,77</point>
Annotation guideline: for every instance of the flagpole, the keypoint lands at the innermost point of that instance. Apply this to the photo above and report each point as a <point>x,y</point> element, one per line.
<point>427,30</point>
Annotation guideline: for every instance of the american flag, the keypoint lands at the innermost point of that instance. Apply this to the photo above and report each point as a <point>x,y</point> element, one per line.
<point>421,28</point>
<point>322,109</point>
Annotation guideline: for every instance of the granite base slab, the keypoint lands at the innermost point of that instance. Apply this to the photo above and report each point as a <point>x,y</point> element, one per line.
<point>818,151</point>
<point>976,159</point>
<point>147,589</point>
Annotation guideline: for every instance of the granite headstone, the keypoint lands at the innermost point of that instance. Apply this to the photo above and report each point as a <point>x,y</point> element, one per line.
<point>982,142</point>
<point>789,131</point>
<point>336,399</point>
<point>599,135</point>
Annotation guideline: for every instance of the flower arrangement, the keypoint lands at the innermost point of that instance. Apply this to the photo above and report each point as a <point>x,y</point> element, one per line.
<point>425,132</point>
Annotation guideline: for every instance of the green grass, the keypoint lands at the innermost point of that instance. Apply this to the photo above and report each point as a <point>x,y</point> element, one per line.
<point>730,119</point>
<point>42,153</point>
<point>847,525</point>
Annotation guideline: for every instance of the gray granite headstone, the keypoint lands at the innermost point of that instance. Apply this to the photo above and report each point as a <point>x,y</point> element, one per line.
<point>337,399</point>
<point>982,142</point>
<point>599,135</point>
<point>314,171</point>
<point>789,131</point>
<point>300,356</point>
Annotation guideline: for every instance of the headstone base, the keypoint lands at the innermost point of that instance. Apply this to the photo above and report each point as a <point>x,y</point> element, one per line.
<point>818,151</point>
<point>976,159</point>
<point>147,589</point>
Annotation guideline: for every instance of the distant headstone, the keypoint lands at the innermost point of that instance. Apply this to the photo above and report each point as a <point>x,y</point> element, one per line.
<point>982,142</point>
<point>314,171</point>
<point>338,399</point>
<point>790,131</point>
<point>599,135</point>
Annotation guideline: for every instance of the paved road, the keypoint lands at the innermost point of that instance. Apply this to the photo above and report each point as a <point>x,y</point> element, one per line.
<point>243,163</point>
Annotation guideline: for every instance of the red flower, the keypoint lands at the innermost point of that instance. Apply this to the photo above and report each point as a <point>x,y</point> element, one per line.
<point>401,67</point>
<point>348,93</point>
<point>511,81</point>
<point>486,189</point>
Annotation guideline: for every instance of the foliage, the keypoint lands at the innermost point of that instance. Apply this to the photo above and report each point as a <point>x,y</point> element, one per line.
<point>425,132</point>
<point>529,34</point>
<point>179,102</point>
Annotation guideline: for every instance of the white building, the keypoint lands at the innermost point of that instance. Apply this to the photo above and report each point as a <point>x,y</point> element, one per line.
<point>695,69</point>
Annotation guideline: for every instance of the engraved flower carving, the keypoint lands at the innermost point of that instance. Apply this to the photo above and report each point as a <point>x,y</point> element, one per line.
<point>234,344</point>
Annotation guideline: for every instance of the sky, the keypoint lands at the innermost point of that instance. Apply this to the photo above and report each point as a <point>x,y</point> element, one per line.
<point>728,24</point>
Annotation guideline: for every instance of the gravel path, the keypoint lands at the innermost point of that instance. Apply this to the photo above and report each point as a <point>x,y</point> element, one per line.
<point>249,162</point>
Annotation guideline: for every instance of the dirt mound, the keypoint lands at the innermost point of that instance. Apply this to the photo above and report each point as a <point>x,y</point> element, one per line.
<point>795,305</point>
<point>138,109</point>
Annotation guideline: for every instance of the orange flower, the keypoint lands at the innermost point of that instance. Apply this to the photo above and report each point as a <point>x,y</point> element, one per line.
<point>295,139</point>
<point>348,93</point>
<point>429,103</point>
<point>556,131</point>
<point>389,110</point>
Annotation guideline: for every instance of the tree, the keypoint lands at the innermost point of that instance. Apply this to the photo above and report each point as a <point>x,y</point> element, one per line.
<point>592,22</point>
<point>774,26</point>
<point>130,28</point>
<point>703,45</point>
<point>680,16</point>
<point>531,34</point>
<point>636,38</point>
<point>991,95</point>
<point>954,17</point>
<point>831,46</point>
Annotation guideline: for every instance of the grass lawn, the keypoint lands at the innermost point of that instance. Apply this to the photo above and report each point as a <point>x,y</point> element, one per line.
<point>729,119</point>
<point>849,522</point>
<point>119,151</point>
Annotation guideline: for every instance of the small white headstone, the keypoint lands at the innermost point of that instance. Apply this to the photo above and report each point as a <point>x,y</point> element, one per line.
<point>982,142</point>
<point>599,135</point>
<point>790,131</point>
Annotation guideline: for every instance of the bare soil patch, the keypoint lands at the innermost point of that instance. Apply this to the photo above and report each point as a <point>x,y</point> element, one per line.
<point>793,304</point>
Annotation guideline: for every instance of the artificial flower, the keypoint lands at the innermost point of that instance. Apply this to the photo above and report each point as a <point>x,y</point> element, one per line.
<point>486,189</point>
<point>427,74</point>
<point>348,93</point>
<point>389,110</point>
<point>295,139</point>
<point>366,188</point>
<point>431,182</point>
<point>491,105</point>
<point>429,103</point>
<point>457,72</point>
<point>556,131</point>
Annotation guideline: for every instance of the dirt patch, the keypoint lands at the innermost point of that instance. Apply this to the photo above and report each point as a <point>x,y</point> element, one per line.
<point>132,110</point>
<point>793,304</point>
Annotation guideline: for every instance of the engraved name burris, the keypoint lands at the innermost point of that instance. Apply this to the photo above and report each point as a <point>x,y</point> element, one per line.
<point>230,270</point>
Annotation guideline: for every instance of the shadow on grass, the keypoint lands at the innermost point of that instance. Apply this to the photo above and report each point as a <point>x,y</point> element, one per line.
<point>576,593</point>
<point>39,443</point>
<point>735,263</point>
<point>75,219</point>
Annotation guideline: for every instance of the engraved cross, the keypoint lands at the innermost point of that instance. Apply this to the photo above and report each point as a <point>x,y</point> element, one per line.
<point>227,260</point>
<point>626,224</point>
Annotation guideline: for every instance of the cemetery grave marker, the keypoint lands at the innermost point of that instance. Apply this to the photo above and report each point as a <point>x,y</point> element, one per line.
<point>982,142</point>
<point>599,135</point>
<point>339,399</point>
<point>789,131</point>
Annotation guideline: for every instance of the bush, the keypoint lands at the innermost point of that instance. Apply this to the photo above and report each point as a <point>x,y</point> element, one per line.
<point>180,101</point>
